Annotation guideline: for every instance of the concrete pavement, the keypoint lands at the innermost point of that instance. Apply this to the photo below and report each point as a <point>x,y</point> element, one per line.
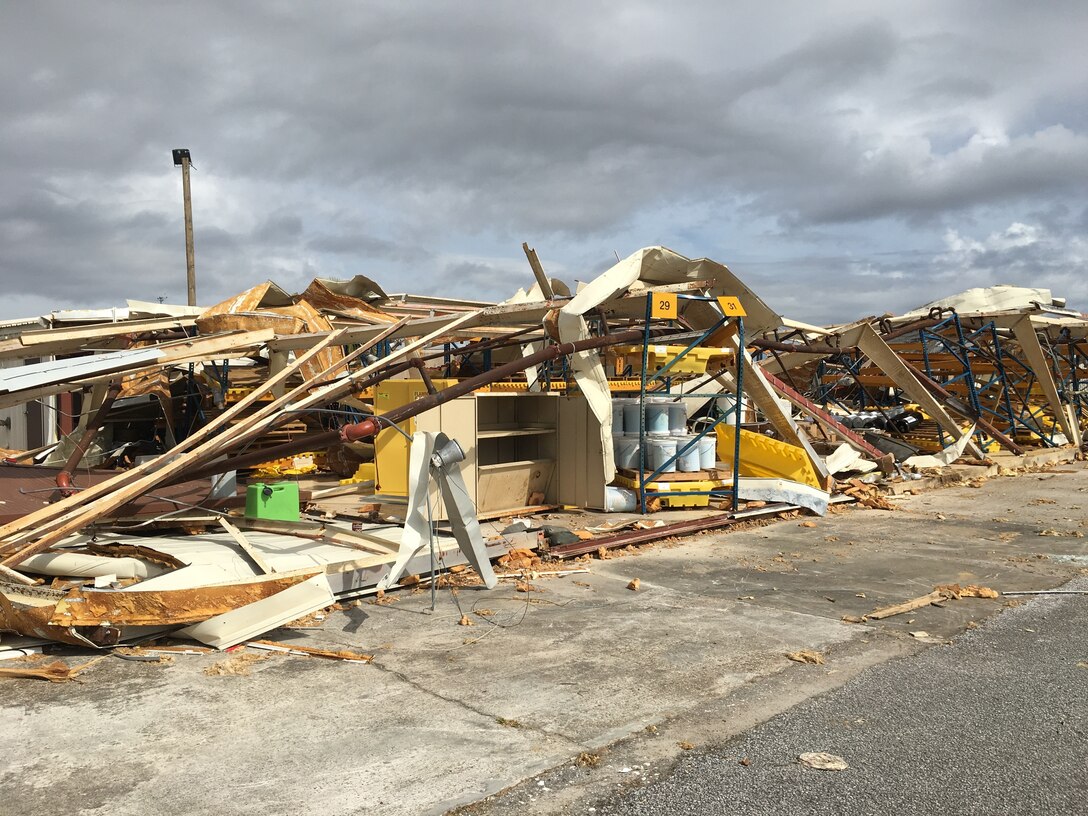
<point>996,722</point>
<point>450,714</point>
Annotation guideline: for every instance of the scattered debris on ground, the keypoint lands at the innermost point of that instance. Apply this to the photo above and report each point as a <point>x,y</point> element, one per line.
<point>221,473</point>
<point>822,761</point>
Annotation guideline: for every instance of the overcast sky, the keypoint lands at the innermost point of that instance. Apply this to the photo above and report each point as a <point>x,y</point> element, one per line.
<point>843,158</point>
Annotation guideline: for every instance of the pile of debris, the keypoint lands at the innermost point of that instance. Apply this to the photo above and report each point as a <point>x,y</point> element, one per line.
<point>216,473</point>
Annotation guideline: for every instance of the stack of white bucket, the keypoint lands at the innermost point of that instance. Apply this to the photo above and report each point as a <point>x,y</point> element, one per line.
<point>666,434</point>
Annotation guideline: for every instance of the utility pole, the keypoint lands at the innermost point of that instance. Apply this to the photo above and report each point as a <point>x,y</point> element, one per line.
<point>182,160</point>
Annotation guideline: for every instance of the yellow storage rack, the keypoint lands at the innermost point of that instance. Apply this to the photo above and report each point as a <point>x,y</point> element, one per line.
<point>683,359</point>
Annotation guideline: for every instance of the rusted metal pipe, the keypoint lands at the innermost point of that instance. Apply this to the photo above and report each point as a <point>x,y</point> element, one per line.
<point>371,426</point>
<point>885,460</point>
<point>94,425</point>
<point>917,325</point>
<point>775,345</point>
<point>823,348</point>
<point>417,363</point>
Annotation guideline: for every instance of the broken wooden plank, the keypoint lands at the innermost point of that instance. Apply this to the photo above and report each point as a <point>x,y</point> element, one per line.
<point>538,272</point>
<point>165,607</point>
<point>243,431</point>
<point>36,337</point>
<point>56,672</point>
<point>906,606</point>
<point>232,627</point>
<point>124,483</point>
<point>309,651</point>
<point>251,551</point>
<point>357,540</point>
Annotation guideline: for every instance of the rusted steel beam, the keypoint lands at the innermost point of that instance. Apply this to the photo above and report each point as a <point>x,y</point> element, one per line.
<point>917,325</point>
<point>951,402</point>
<point>856,440</point>
<point>824,348</point>
<point>370,427</point>
<point>611,542</point>
<point>776,345</point>
<point>679,528</point>
<point>421,367</point>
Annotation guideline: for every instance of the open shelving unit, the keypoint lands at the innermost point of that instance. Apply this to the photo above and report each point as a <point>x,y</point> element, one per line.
<point>516,450</point>
<point>646,475</point>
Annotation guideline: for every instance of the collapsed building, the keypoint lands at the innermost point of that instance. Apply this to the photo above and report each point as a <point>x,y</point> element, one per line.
<point>212,474</point>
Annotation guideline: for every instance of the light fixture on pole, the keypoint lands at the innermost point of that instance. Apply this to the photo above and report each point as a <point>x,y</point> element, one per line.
<point>182,160</point>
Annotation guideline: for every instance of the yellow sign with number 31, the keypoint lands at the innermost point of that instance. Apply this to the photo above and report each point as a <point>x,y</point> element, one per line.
<point>731,307</point>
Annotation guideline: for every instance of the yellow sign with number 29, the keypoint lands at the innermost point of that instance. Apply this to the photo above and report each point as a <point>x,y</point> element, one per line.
<point>663,305</point>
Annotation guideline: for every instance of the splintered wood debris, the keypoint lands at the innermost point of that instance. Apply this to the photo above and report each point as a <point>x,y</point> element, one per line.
<point>823,761</point>
<point>271,376</point>
<point>943,592</point>
<point>310,651</point>
<point>237,665</point>
<point>55,672</point>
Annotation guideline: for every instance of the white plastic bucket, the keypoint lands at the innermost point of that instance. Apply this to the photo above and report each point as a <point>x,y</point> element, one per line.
<point>620,500</point>
<point>617,416</point>
<point>678,419</point>
<point>657,416</point>
<point>688,461</point>
<point>659,450</point>
<point>625,449</point>
<point>630,417</point>
<point>708,453</point>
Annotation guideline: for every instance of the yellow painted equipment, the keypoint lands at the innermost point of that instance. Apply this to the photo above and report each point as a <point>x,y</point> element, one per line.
<point>297,465</point>
<point>678,494</point>
<point>238,393</point>
<point>366,472</point>
<point>518,387</point>
<point>390,446</point>
<point>657,357</point>
<point>764,457</point>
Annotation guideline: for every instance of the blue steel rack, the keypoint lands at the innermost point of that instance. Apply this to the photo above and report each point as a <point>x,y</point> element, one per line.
<point>647,379</point>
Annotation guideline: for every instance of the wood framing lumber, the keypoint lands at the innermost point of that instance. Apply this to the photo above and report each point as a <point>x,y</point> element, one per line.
<point>37,337</point>
<point>204,348</point>
<point>309,651</point>
<point>906,606</point>
<point>243,542</point>
<point>37,521</point>
<point>874,347</point>
<point>512,314</point>
<point>65,376</point>
<point>213,447</point>
<point>538,272</point>
<point>319,532</point>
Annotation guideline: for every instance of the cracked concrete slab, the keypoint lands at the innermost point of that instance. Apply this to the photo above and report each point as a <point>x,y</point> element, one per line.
<point>449,714</point>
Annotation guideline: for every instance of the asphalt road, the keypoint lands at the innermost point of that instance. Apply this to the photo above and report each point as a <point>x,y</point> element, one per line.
<point>994,723</point>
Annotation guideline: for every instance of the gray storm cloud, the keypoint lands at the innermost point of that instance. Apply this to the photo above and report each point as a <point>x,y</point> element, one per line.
<point>844,142</point>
